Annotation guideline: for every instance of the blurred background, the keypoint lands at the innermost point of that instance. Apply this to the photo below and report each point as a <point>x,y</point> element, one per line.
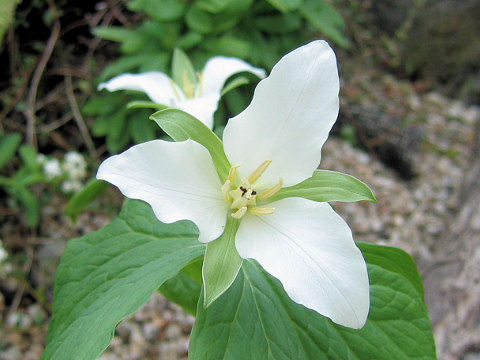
<point>409,127</point>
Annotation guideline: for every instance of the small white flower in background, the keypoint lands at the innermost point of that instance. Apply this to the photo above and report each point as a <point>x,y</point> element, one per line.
<point>41,158</point>
<point>71,186</point>
<point>74,165</point>
<point>201,102</point>
<point>276,141</point>
<point>51,168</point>
<point>3,253</point>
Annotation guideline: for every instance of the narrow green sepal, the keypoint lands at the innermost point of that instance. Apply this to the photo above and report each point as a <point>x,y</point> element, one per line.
<point>325,186</point>
<point>181,126</point>
<point>183,72</point>
<point>237,82</point>
<point>221,263</point>
<point>145,105</point>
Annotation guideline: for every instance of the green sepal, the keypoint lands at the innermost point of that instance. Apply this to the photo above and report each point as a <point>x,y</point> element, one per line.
<point>145,105</point>
<point>233,84</point>
<point>183,73</point>
<point>181,126</point>
<point>326,186</point>
<point>221,263</point>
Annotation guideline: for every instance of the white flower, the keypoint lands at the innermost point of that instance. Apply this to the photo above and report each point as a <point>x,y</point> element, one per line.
<point>275,142</point>
<point>70,186</point>
<point>3,253</point>
<point>41,158</point>
<point>51,168</point>
<point>201,102</point>
<point>74,165</point>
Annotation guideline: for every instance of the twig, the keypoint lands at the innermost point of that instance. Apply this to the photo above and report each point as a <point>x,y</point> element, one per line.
<point>32,95</point>
<point>78,117</point>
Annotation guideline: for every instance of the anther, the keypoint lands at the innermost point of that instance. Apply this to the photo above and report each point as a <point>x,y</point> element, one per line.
<point>226,189</point>
<point>259,172</point>
<point>271,191</point>
<point>232,174</point>
<point>261,210</point>
<point>239,213</point>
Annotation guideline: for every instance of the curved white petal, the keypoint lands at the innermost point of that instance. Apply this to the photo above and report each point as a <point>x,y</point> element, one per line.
<point>310,249</point>
<point>219,68</point>
<point>203,108</point>
<point>178,180</point>
<point>289,118</point>
<point>158,86</point>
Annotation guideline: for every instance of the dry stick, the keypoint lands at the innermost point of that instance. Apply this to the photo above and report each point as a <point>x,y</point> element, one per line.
<point>78,117</point>
<point>32,94</point>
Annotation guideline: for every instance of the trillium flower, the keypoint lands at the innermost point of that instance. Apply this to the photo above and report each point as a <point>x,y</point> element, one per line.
<point>200,99</point>
<point>274,143</point>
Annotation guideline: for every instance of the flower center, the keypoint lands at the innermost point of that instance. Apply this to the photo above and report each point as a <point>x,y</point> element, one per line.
<point>244,197</point>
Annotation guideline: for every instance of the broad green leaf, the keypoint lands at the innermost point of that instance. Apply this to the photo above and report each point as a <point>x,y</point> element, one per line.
<point>255,319</point>
<point>181,126</point>
<point>183,73</point>
<point>184,289</point>
<point>278,24</point>
<point>326,186</point>
<point>234,83</point>
<point>85,197</point>
<point>8,147</point>
<point>109,274</point>
<point>285,5</point>
<point>221,263</point>
<point>145,105</point>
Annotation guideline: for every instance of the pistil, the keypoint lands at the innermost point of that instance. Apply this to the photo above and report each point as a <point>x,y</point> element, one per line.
<point>244,197</point>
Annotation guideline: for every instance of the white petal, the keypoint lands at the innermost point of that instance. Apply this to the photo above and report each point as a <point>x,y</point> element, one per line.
<point>310,249</point>
<point>289,118</point>
<point>218,69</point>
<point>203,108</point>
<point>178,180</point>
<point>158,86</point>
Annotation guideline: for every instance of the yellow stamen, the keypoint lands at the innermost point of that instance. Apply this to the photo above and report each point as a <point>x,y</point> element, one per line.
<point>188,86</point>
<point>259,171</point>
<point>232,174</point>
<point>239,213</point>
<point>174,86</point>
<point>270,191</point>
<point>200,79</point>
<point>226,189</point>
<point>261,210</point>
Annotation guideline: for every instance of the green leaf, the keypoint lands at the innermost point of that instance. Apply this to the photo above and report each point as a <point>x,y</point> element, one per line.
<point>285,5</point>
<point>326,19</point>
<point>162,10</point>
<point>109,274</point>
<point>183,73</point>
<point>221,263</point>
<point>181,126</point>
<point>85,197</point>
<point>184,289</point>
<point>255,319</point>
<point>326,186</point>
<point>8,147</point>
<point>31,203</point>
<point>7,14</point>
<point>234,83</point>
<point>29,157</point>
